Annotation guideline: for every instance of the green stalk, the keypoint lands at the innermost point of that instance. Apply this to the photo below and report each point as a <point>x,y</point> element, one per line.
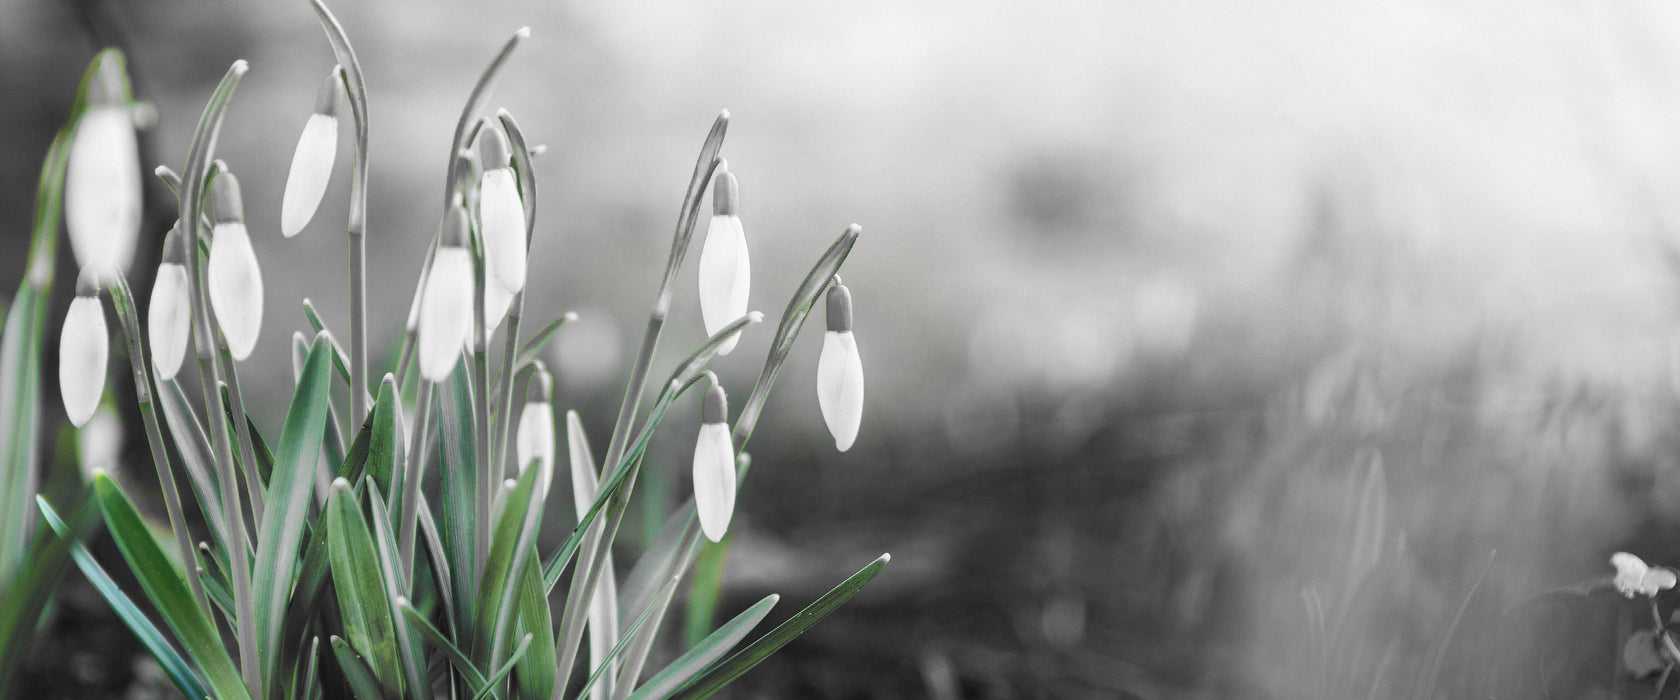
<point>516,308</point>
<point>590,562</point>
<point>123,300</point>
<point>356,89</point>
<point>192,212</point>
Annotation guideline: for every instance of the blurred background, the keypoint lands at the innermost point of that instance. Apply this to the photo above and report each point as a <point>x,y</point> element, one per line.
<point>1214,349</point>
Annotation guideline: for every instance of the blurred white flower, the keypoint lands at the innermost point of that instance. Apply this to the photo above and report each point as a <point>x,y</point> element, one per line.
<point>169,313</point>
<point>501,217</point>
<point>312,162</point>
<point>714,466</point>
<point>99,442</point>
<point>102,188</point>
<point>725,270</point>
<point>235,280</point>
<point>840,372</point>
<point>1635,577</point>
<point>83,349</point>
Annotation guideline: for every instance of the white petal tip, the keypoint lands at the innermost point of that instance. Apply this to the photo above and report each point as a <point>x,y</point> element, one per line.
<point>886,557</point>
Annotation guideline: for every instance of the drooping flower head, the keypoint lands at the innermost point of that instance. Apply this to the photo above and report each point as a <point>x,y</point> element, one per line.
<point>840,371</point>
<point>83,349</point>
<point>446,306</point>
<point>169,313</point>
<point>1635,577</point>
<point>714,466</point>
<point>501,214</point>
<point>235,280</point>
<point>725,270</point>
<point>312,162</point>
<point>102,183</point>
<point>535,440</point>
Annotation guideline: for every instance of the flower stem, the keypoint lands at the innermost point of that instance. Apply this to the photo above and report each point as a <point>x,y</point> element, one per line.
<point>123,299</point>
<point>356,89</point>
<point>192,212</point>
<point>242,431</point>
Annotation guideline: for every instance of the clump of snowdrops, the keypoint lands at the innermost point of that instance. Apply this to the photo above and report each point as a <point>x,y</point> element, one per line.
<point>323,558</point>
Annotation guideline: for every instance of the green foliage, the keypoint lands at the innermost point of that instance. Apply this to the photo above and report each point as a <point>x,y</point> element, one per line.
<point>416,589</point>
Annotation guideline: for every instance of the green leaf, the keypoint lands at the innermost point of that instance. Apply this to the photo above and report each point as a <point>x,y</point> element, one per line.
<point>188,437</point>
<point>288,504</point>
<point>356,671</point>
<point>704,653</point>
<point>176,667</point>
<point>514,536</point>
<point>457,462</point>
<point>475,678</point>
<point>385,444</point>
<point>166,590</point>
<point>20,408</point>
<point>743,660</point>
<point>413,658</point>
<point>502,673</point>
<point>536,672</point>
<point>26,596</point>
<point>362,599</point>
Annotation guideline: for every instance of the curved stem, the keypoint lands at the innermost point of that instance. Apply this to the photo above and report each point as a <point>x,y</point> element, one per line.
<point>122,298</point>
<point>192,213</point>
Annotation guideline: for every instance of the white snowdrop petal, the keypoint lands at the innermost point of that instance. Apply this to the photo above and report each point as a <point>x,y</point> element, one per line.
<point>445,313</point>
<point>83,348</point>
<point>100,442</point>
<point>169,319</point>
<point>840,387</point>
<point>312,165</point>
<point>502,216</point>
<point>236,287</point>
<point>714,480</point>
<point>725,277</point>
<point>102,189</point>
<point>534,441</point>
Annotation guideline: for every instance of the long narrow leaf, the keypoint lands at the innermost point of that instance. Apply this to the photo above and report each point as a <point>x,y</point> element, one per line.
<point>176,667</point>
<point>761,648</point>
<point>701,655</point>
<point>356,671</point>
<point>166,590</point>
<point>361,590</point>
<point>289,501</point>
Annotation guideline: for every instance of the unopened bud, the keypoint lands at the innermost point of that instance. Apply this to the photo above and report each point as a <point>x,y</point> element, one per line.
<point>446,312</point>
<point>840,372</point>
<point>312,162</point>
<point>169,313</point>
<point>714,467</point>
<point>83,349</point>
<point>501,215</point>
<point>535,441</point>
<point>235,279</point>
<point>725,269</point>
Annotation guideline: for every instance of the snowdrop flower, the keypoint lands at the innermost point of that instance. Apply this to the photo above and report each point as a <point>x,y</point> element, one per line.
<point>83,348</point>
<point>312,162</point>
<point>102,184</point>
<point>714,466</point>
<point>446,312</point>
<point>236,287</point>
<point>169,314</point>
<point>501,216</point>
<point>1634,576</point>
<point>725,272</point>
<point>840,371</point>
<point>535,439</point>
